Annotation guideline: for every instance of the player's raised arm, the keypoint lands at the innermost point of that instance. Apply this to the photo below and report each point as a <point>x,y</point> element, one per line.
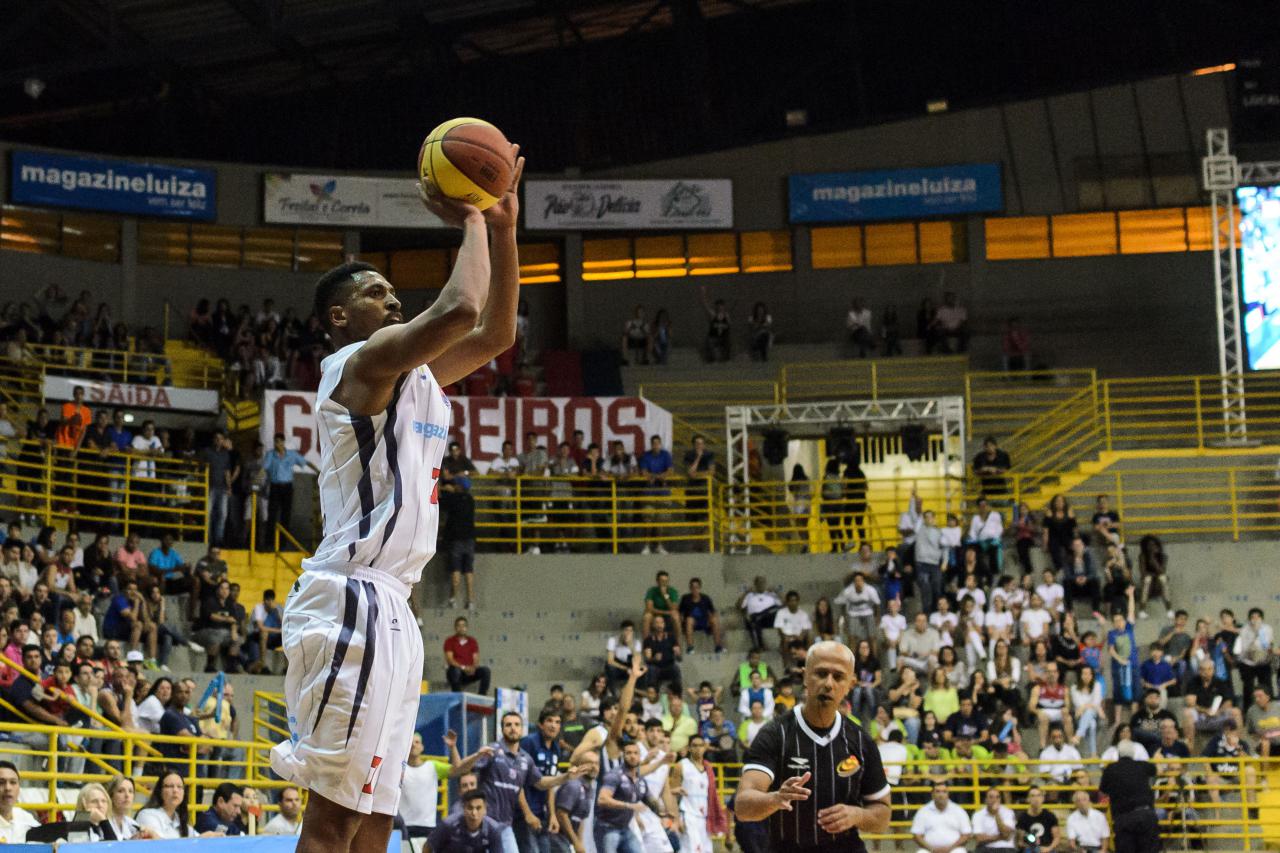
<point>496,331</point>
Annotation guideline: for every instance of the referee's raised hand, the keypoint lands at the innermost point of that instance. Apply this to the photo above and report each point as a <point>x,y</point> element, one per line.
<point>793,789</point>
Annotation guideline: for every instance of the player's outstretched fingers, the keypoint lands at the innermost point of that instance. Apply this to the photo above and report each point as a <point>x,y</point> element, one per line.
<point>793,789</point>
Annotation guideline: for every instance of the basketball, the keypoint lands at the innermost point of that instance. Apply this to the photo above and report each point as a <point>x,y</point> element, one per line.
<point>467,159</point>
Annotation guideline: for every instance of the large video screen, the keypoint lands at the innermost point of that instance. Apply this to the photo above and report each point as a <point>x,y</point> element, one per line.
<point>1260,274</point>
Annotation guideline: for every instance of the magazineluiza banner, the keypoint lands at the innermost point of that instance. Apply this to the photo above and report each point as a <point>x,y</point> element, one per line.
<point>344,200</point>
<point>117,186</point>
<point>601,205</point>
<point>896,193</point>
<point>131,396</point>
<point>482,424</point>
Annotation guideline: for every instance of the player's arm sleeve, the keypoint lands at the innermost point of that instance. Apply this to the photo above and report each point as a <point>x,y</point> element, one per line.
<point>875,785</point>
<point>765,753</point>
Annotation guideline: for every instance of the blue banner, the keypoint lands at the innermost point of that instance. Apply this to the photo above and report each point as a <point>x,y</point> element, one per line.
<point>896,193</point>
<point>118,186</point>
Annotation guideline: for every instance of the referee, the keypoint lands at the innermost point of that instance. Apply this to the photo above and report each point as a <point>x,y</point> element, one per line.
<point>1128,784</point>
<point>814,775</point>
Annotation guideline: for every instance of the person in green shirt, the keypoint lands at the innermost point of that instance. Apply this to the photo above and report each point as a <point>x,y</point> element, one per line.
<point>662,600</point>
<point>750,665</point>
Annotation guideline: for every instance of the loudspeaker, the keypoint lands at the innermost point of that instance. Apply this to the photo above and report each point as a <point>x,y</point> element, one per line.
<point>840,445</point>
<point>915,441</point>
<point>775,446</point>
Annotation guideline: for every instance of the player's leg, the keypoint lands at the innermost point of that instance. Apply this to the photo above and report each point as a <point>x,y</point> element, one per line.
<point>331,828</point>
<point>373,835</point>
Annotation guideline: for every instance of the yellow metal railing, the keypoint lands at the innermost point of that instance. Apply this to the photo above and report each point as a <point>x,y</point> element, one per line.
<point>126,366</point>
<point>1196,802</point>
<point>127,490</point>
<point>1005,404</point>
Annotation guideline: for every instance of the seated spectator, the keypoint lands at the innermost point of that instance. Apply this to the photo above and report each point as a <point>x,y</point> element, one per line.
<point>1035,621</point>
<point>994,826</point>
<point>678,723</point>
<point>753,664</point>
<point>792,622</point>
<point>661,600</point>
<point>986,530</point>
<point>266,634</point>
<point>1059,759</point>
<point>1156,673</point>
<point>22,694</point>
<point>719,341</point>
<point>176,721</point>
<point>760,606</point>
<point>15,821</point>
<point>1039,823</point>
<point>219,630</point>
<point>952,322</point>
<point>130,561</point>
<point>1051,703</point>
<point>209,570</point>
<point>662,654</point>
<point>752,723</point>
<point>858,324</point>
<point>636,338</point>
<point>1087,828</point>
<point>941,825</point>
<point>164,815</point>
<point>1225,751</point>
<point>968,722</point>
<point>223,817</point>
<point>1210,704</point>
<point>461,653</point>
<point>1080,578</point>
<point>892,626</point>
<point>168,568</point>
<point>1263,720</point>
<point>757,693</point>
<point>721,737</point>
<point>990,465</point>
<point>120,824</point>
<point>698,613</point>
<point>618,653</point>
<point>289,819</point>
<point>1015,346</point>
<point>125,619</point>
<point>151,709</point>
<point>918,648</point>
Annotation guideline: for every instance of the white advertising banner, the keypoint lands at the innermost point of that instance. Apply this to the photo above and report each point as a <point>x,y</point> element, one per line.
<point>344,200</point>
<point>129,396</point>
<point>482,424</point>
<point>602,205</point>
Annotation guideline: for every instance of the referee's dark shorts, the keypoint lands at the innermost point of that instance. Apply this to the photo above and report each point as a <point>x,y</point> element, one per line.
<point>1128,783</point>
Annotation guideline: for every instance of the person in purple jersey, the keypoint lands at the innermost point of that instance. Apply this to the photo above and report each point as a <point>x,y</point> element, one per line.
<point>469,831</point>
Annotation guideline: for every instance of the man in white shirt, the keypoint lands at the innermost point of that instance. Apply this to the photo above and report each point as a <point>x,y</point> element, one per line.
<point>994,825</point>
<point>420,791</point>
<point>1059,759</point>
<point>944,618</point>
<point>952,321</point>
<point>1050,591</point>
<point>86,622</point>
<point>892,626</point>
<point>861,602</point>
<point>941,826</point>
<point>858,324</point>
<point>893,755</point>
<point>1087,829</point>
<point>918,648</point>
<point>1035,621</point>
<point>14,821</point>
<point>148,445</point>
<point>289,820</point>
<point>909,521</point>
<point>986,530</point>
<point>759,604</point>
<point>792,622</point>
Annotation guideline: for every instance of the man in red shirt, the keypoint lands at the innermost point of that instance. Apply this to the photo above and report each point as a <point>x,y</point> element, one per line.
<point>460,653</point>
<point>57,691</point>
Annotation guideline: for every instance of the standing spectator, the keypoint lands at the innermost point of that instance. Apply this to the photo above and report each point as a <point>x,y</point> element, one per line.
<point>890,332</point>
<point>928,561</point>
<point>661,338</point>
<point>656,466</point>
<point>224,468</point>
<point>990,465</point>
<point>760,606</point>
<point>952,322</point>
<point>279,465</point>
<point>459,533</point>
<point>857,323</point>
<point>941,826</point>
<point>699,467</point>
<point>986,530</point>
<point>420,792</point>
<point>861,602</point>
<point>1153,566</point>
<point>698,613</point>
<point>1059,528</point>
<point>147,446</point>
<point>761,327</point>
<point>719,341</point>
<point>1122,650</point>
<point>461,652</point>
<point>562,468</point>
<point>1015,346</point>
<point>636,338</point>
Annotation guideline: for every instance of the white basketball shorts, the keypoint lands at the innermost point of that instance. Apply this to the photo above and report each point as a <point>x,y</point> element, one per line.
<point>355,674</point>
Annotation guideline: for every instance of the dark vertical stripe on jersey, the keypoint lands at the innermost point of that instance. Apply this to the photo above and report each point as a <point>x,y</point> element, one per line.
<point>367,442</point>
<point>370,649</point>
<point>340,650</point>
<point>393,462</point>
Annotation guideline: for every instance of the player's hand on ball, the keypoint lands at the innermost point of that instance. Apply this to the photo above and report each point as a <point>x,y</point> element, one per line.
<point>793,789</point>
<point>839,818</point>
<point>506,213</point>
<point>450,210</point>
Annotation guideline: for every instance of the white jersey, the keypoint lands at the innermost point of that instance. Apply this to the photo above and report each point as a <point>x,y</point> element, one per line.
<point>378,475</point>
<point>693,809</point>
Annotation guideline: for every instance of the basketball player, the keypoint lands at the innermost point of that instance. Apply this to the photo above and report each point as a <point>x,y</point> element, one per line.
<point>354,648</point>
<point>816,746</point>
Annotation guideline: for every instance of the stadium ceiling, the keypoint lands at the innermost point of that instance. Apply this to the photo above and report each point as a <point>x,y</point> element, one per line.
<point>356,83</point>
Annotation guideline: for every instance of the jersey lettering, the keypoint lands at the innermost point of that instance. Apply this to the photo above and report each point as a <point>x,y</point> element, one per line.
<point>435,485</point>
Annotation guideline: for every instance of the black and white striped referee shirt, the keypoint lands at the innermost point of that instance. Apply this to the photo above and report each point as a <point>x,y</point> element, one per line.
<point>845,767</point>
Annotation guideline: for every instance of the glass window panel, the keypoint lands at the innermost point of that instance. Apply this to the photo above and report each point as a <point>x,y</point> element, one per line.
<point>419,269</point>
<point>33,231</point>
<point>381,260</point>
<point>164,243</point>
<point>942,242</point>
<point>319,251</point>
<point>215,246</point>
<point>713,254</point>
<point>835,248</point>
<point>891,243</point>
<point>93,238</point>
<point>607,259</point>
<point>1015,237</point>
<point>766,251</point>
<point>1143,231</point>
<point>539,263</point>
<point>660,257</point>
<point>1200,229</point>
<point>1078,235</point>
<point>268,248</point>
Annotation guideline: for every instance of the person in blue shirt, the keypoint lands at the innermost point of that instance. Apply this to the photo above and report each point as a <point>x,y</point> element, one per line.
<point>279,464</point>
<point>167,564</point>
<point>468,831</point>
<point>224,815</point>
<point>1156,672</point>
<point>1122,649</point>
<point>543,746</point>
<point>655,466</point>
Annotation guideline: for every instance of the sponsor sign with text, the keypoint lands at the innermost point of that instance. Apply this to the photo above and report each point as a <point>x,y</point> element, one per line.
<point>344,200</point>
<point>602,205</point>
<point>117,186</point>
<point>896,193</point>
<point>482,424</point>
<point>129,396</point>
